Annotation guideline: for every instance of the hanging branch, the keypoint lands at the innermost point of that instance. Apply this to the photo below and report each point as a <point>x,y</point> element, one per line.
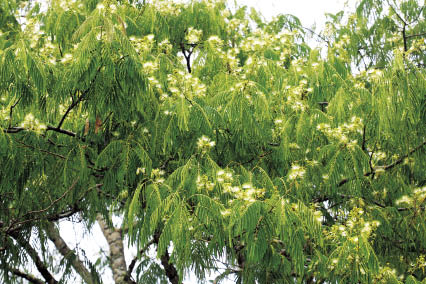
<point>26,276</point>
<point>67,253</point>
<point>41,267</point>
<point>416,35</point>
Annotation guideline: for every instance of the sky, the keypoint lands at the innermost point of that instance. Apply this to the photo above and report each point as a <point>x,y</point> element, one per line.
<point>310,12</point>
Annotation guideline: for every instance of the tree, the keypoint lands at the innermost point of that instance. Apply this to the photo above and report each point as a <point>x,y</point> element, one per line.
<point>217,137</point>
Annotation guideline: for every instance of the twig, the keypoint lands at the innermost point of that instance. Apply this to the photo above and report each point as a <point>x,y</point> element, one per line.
<point>54,201</point>
<point>387,167</point>
<point>16,224</point>
<point>41,150</point>
<point>415,35</point>
<point>318,35</point>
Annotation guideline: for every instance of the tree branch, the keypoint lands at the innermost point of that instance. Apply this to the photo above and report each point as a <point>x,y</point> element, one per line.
<point>63,131</point>
<point>41,267</point>
<point>169,268</point>
<point>16,227</point>
<point>135,259</point>
<point>67,253</point>
<point>187,57</point>
<point>26,276</point>
<point>387,167</point>
<point>415,35</point>
<point>11,110</point>
<point>13,129</point>
<point>72,106</point>
<point>317,35</point>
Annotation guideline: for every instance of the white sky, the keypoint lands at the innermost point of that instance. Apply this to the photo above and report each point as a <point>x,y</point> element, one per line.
<point>310,12</point>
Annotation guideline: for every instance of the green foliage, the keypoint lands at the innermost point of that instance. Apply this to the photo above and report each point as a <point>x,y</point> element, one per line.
<point>219,137</point>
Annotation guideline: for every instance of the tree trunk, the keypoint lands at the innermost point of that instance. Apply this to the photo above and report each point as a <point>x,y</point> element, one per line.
<point>116,251</point>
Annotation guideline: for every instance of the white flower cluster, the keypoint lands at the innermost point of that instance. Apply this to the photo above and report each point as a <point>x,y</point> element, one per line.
<point>143,45</point>
<point>246,192</point>
<point>256,43</point>
<point>4,113</point>
<point>158,175</point>
<point>236,25</point>
<point>155,84</point>
<point>167,7</point>
<point>150,67</point>
<point>260,41</point>
<point>231,60</point>
<point>31,123</point>
<point>342,132</point>
<point>296,172</point>
<point>213,3</point>
<point>204,144</point>
<point>228,58</point>
<point>418,197</point>
<point>67,58</point>
<point>165,46</point>
<point>182,84</point>
<point>377,157</point>
<point>193,36</point>
<point>203,182</point>
<point>215,42</point>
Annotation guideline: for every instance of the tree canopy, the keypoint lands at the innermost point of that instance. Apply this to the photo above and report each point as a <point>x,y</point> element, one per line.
<point>223,141</point>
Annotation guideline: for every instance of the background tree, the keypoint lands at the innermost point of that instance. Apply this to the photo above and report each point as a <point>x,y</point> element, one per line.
<point>217,138</point>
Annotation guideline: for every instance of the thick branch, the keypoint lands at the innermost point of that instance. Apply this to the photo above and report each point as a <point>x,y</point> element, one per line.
<point>67,253</point>
<point>26,276</point>
<point>169,268</point>
<point>16,227</point>
<point>135,259</point>
<point>187,57</point>
<point>57,129</point>
<point>71,106</point>
<point>41,267</point>
<point>13,129</point>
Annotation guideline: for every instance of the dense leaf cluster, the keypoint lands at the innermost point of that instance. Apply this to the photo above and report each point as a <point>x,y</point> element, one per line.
<point>223,141</point>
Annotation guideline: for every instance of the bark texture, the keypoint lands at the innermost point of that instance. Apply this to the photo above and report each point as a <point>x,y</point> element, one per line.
<point>62,247</point>
<point>116,250</point>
